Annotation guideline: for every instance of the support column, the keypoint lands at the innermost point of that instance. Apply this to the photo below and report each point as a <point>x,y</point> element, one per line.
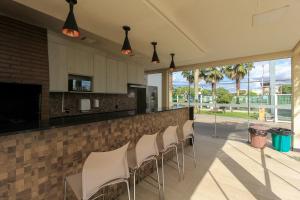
<point>272,65</point>
<point>196,87</point>
<point>165,90</point>
<point>296,97</point>
<point>170,88</point>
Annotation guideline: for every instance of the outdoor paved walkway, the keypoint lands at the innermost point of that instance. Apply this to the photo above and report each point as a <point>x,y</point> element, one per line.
<point>230,169</point>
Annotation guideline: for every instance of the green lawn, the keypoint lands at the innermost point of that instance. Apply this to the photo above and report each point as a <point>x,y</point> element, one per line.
<point>243,115</point>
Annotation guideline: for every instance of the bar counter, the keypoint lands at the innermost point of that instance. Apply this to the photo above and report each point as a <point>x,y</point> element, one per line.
<point>35,162</point>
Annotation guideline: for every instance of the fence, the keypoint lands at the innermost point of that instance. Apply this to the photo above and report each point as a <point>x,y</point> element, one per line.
<point>278,108</point>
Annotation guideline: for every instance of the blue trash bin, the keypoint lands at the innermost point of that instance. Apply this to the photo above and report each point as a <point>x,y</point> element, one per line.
<point>281,139</point>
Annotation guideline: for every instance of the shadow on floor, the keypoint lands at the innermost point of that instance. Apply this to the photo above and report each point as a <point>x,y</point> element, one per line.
<point>225,131</point>
<point>209,150</point>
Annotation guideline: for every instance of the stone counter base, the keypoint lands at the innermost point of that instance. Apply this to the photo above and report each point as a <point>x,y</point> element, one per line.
<point>33,165</point>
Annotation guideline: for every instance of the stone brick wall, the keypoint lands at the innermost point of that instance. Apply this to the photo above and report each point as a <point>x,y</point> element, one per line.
<point>107,103</point>
<point>24,56</point>
<point>34,164</point>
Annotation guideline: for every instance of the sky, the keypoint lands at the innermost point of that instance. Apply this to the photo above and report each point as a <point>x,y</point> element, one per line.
<point>261,69</point>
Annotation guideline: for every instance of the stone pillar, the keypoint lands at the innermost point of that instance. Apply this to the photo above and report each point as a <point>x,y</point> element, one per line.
<point>296,97</point>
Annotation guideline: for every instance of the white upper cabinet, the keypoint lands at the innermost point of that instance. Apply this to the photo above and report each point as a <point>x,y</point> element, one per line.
<point>99,79</point>
<point>112,85</point>
<point>135,74</point>
<point>116,77</point>
<point>58,74</point>
<point>122,77</point>
<point>80,60</point>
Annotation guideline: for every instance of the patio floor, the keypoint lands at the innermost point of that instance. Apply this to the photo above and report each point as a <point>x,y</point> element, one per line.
<point>229,169</point>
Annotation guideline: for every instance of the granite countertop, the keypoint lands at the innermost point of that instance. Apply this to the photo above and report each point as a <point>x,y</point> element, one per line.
<point>65,121</point>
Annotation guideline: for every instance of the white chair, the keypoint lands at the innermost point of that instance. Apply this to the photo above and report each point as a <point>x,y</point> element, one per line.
<point>145,151</point>
<point>100,169</point>
<point>170,142</point>
<point>188,134</point>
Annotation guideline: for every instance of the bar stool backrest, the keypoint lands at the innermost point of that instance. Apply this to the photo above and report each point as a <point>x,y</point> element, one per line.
<point>188,129</point>
<point>145,148</point>
<point>102,167</point>
<point>170,136</point>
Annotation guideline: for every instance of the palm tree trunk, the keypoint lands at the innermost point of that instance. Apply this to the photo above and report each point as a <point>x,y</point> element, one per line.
<point>213,88</point>
<point>196,87</point>
<point>238,87</point>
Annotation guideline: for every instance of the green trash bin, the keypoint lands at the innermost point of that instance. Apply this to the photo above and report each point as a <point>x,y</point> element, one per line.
<point>281,139</point>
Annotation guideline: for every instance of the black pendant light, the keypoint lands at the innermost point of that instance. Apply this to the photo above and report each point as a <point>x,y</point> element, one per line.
<point>172,64</point>
<point>126,48</point>
<point>155,58</point>
<point>70,27</point>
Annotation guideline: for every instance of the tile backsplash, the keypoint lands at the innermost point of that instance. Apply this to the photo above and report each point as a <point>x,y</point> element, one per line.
<point>67,103</point>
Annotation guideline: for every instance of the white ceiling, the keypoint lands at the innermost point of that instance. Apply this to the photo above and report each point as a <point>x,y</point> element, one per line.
<point>196,30</point>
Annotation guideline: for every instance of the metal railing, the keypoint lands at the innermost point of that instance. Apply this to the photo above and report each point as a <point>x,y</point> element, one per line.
<point>278,111</point>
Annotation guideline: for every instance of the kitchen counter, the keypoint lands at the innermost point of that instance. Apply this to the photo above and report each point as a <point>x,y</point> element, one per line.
<point>82,119</point>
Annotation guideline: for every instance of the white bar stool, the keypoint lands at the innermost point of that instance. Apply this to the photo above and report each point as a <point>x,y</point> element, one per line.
<point>170,142</point>
<point>145,151</point>
<point>188,133</point>
<point>100,169</point>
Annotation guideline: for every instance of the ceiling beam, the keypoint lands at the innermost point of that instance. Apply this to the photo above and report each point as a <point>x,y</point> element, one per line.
<point>296,49</point>
<point>254,58</point>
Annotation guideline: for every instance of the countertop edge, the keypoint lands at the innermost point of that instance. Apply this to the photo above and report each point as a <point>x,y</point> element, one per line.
<point>49,127</point>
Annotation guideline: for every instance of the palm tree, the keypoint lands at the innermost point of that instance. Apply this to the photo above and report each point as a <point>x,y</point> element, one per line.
<point>237,72</point>
<point>213,75</point>
<point>190,77</point>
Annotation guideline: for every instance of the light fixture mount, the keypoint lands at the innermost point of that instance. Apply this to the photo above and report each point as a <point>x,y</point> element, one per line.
<point>154,43</point>
<point>126,29</point>
<point>72,1</point>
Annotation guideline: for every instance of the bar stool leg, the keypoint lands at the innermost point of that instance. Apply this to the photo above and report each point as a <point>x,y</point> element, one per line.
<point>158,181</point>
<point>194,152</point>
<point>182,146</point>
<point>162,171</point>
<point>128,191</point>
<point>134,184</point>
<point>177,161</point>
<point>65,189</point>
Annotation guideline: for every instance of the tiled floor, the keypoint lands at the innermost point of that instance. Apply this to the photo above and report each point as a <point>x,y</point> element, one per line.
<point>230,169</point>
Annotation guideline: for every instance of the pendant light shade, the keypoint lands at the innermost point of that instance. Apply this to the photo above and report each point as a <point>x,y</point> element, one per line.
<point>155,58</point>
<point>126,48</point>
<point>70,27</point>
<point>172,64</point>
